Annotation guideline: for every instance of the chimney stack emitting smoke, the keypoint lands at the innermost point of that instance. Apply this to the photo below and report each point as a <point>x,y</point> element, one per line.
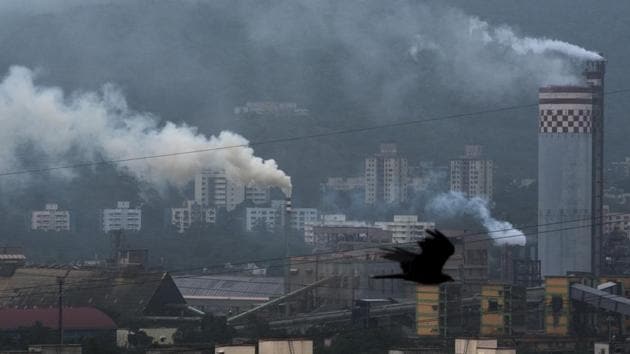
<point>96,126</point>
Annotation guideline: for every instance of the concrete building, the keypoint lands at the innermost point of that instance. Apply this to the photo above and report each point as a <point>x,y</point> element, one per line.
<point>255,217</point>
<point>386,176</point>
<point>329,220</point>
<point>273,217</point>
<point>270,108</point>
<point>570,173</point>
<point>471,174</point>
<point>405,228</point>
<point>332,238</point>
<point>121,218</point>
<point>616,221</point>
<point>50,219</point>
<point>191,213</point>
<point>214,189</point>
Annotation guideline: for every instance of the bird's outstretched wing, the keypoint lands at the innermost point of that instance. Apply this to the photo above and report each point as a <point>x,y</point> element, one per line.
<point>437,249</point>
<point>404,257</point>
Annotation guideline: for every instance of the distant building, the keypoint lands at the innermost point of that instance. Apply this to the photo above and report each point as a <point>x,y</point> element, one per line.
<point>621,168</point>
<point>405,228</point>
<point>333,238</point>
<point>260,217</point>
<point>50,219</point>
<point>274,216</point>
<point>471,174</point>
<point>270,108</point>
<point>191,213</point>
<point>214,189</point>
<point>344,183</point>
<point>386,176</point>
<point>121,218</point>
<point>332,220</point>
<point>616,221</point>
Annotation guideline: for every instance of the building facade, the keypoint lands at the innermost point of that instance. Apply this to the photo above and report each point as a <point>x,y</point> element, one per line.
<point>214,189</point>
<point>121,218</point>
<point>192,213</point>
<point>50,219</point>
<point>405,228</point>
<point>570,172</point>
<point>386,176</point>
<point>274,217</point>
<point>471,174</point>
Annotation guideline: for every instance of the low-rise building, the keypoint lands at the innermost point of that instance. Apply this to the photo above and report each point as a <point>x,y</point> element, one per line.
<point>405,228</point>
<point>332,220</point>
<point>616,221</point>
<point>123,217</point>
<point>50,219</point>
<point>192,213</point>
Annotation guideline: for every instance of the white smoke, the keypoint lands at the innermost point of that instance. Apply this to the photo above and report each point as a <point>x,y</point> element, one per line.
<point>89,126</point>
<point>494,59</point>
<point>454,203</point>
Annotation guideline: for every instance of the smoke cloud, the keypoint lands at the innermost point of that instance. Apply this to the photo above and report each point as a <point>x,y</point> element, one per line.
<point>91,126</point>
<point>455,203</point>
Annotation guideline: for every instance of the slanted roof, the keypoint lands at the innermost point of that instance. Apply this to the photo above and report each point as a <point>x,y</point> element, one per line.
<point>114,292</point>
<point>81,318</point>
<point>233,287</point>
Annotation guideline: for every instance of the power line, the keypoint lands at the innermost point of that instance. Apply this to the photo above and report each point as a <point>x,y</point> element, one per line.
<point>289,139</point>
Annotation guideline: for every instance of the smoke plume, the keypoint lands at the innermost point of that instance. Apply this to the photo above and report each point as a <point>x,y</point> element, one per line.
<point>455,203</point>
<point>91,126</point>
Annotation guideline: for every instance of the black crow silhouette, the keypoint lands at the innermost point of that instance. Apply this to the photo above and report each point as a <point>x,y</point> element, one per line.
<point>425,267</point>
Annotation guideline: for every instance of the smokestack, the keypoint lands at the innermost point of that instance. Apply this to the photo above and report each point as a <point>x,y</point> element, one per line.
<point>287,267</point>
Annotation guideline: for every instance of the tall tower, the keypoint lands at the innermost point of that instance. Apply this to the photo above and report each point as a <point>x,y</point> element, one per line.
<point>570,174</point>
<point>386,177</point>
<point>471,174</point>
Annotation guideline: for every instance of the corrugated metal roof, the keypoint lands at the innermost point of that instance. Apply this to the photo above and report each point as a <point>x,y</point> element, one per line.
<point>600,299</point>
<point>230,286</point>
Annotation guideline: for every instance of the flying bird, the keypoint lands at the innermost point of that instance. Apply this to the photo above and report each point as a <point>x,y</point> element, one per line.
<point>425,267</point>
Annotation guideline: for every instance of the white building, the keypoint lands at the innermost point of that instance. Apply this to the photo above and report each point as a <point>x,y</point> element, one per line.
<point>270,108</point>
<point>274,216</point>
<point>386,176</point>
<point>330,220</point>
<point>191,213</point>
<point>405,228</point>
<point>260,216</point>
<point>472,175</point>
<point>50,219</point>
<point>214,189</point>
<point>121,218</point>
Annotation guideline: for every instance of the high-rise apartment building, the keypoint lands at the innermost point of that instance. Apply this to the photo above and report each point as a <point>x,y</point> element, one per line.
<point>471,174</point>
<point>50,219</point>
<point>192,213</point>
<point>121,218</point>
<point>214,189</point>
<point>570,172</point>
<point>386,176</point>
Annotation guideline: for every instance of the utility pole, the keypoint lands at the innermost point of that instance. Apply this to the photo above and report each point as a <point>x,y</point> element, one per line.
<point>60,281</point>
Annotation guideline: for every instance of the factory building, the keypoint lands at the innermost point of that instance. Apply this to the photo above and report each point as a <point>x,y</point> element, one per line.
<point>386,176</point>
<point>570,167</point>
<point>471,174</point>
<point>122,218</point>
